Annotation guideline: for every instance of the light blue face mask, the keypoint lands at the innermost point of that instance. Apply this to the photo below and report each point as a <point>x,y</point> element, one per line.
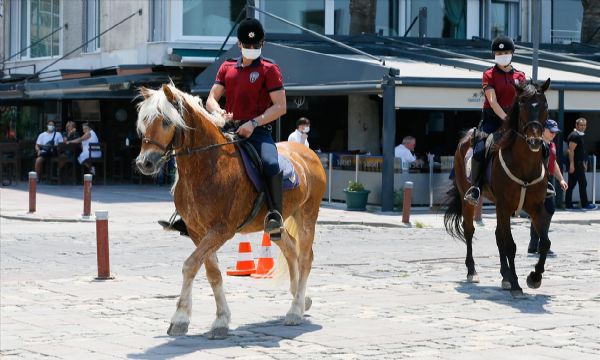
<point>50,128</point>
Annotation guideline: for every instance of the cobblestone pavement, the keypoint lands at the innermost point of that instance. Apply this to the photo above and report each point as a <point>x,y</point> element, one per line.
<point>378,292</point>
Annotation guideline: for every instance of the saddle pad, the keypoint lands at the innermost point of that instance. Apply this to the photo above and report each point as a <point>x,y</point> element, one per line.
<point>290,178</point>
<point>488,166</point>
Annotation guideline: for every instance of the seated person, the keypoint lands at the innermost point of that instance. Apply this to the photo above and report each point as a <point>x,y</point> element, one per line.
<point>300,135</point>
<point>46,145</point>
<point>405,151</point>
<point>89,136</point>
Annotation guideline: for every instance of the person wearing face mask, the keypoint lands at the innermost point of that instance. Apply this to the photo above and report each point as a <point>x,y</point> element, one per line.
<point>89,136</point>
<point>300,135</point>
<point>46,144</point>
<point>499,87</point>
<point>254,98</point>
<point>577,166</point>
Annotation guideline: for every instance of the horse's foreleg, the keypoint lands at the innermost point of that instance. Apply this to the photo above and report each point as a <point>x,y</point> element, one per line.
<point>220,326</point>
<point>541,223</point>
<point>181,319</point>
<point>510,250</point>
<point>504,269</point>
<point>469,230</point>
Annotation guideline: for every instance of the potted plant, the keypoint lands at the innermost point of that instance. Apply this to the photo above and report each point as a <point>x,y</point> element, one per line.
<point>399,198</point>
<point>356,196</point>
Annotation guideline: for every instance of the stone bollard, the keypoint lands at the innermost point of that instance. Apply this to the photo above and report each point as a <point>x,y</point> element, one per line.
<point>87,195</point>
<point>408,187</point>
<point>32,190</point>
<point>102,245</point>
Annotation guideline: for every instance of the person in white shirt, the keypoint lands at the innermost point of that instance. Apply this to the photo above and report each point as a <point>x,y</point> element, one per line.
<point>45,146</point>
<point>300,135</point>
<point>89,136</point>
<point>405,150</point>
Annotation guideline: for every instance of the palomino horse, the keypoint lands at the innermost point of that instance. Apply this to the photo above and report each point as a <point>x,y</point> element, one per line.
<point>518,180</point>
<point>214,196</point>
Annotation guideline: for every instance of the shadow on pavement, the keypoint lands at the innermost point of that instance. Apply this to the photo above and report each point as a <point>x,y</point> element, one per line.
<point>531,304</point>
<point>266,334</point>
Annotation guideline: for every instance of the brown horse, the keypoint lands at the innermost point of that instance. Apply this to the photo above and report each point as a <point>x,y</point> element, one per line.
<point>518,180</point>
<point>214,196</point>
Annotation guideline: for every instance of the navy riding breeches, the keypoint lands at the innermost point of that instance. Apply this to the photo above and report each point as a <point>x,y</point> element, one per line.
<point>490,123</point>
<point>263,142</point>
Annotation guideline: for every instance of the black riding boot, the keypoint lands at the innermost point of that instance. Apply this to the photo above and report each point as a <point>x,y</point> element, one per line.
<point>472,195</point>
<point>175,225</point>
<point>274,219</point>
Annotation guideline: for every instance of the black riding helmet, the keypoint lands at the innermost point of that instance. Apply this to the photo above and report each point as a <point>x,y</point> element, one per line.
<point>503,43</point>
<point>250,31</point>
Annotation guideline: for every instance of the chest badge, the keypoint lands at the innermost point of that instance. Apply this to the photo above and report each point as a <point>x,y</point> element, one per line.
<point>254,76</point>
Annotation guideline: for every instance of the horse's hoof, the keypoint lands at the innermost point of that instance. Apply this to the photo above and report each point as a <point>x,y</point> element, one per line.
<point>473,278</point>
<point>506,285</point>
<point>292,319</point>
<point>218,333</point>
<point>517,294</point>
<point>307,303</point>
<point>533,282</point>
<point>178,329</point>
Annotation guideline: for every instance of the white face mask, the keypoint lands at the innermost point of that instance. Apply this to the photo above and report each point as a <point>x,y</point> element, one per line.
<point>251,53</point>
<point>50,128</point>
<point>306,130</point>
<point>503,60</point>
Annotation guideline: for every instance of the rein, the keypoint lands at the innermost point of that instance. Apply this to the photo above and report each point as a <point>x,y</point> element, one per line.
<point>170,151</point>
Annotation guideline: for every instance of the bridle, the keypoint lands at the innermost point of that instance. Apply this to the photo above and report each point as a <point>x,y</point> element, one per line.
<point>534,113</point>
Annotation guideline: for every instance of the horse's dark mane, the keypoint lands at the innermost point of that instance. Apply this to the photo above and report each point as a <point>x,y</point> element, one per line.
<point>510,128</point>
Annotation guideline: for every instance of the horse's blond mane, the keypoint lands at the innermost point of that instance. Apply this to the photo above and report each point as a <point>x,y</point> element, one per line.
<point>157,105</point>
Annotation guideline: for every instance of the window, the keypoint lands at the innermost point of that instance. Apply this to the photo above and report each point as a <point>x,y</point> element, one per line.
<point>308,13</point>
<point>504,18</point>
<point>445,18</point>
<point>567,16</point>
<point>92,24</point>
<point>204,18</point>
<point>386,17</point>
<point>38,22</point>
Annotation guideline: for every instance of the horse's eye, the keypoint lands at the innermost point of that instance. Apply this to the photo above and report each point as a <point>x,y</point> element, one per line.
<point>165,123</point>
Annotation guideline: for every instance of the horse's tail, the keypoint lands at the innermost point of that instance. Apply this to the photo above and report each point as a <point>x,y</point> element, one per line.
<point>281,272</point>
<point>453,215</point>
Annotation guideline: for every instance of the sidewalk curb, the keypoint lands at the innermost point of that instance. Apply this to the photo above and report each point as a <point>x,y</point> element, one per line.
<point>33,218</point>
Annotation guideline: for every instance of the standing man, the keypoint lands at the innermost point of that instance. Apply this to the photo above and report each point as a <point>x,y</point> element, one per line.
<point>550,131</point>
<point>255,97</point>
<point>300,135</point>
<point>577,166</point>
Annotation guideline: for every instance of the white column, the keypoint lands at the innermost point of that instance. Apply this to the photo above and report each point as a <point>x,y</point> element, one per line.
<point>473,16</point>
<point>329,17</point>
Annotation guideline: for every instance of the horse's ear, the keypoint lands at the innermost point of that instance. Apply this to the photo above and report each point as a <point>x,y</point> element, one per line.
<point>545,86</point>
<point>169,94</point>
<point>145,92</point>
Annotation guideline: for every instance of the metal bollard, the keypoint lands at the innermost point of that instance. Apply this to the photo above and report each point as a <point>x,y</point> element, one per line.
<point>87,195</point>
<point>408,187</point>
<point>32,190</point>
<point>478,208</point>
<point>102,245</point>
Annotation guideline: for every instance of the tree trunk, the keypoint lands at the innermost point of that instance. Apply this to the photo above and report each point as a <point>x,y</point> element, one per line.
<point>591,22</point>
<point>362,16</point>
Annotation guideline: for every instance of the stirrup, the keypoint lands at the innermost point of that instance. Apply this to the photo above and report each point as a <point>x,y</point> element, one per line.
<point>550,190</point>
<point>470,196</point>
<point>273,225</point>
<point>168,225</point>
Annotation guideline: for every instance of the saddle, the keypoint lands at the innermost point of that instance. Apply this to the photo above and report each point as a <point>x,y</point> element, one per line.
<point>490,141</point>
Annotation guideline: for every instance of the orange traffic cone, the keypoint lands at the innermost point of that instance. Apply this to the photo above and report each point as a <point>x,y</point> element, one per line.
<point>266,263</point>
<point>245,262</point>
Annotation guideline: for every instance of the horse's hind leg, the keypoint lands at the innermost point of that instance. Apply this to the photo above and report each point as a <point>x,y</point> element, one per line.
<point>469,230</point>
<point>220,326</point>
<point>287,245</point>
<point>541,223</point>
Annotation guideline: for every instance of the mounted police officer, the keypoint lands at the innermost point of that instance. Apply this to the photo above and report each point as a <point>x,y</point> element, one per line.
<point>499,86</point>
<point>254,98</point>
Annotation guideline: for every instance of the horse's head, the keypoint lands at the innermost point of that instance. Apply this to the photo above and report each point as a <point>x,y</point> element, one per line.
<point>160,124</point>
<point>533,113</point>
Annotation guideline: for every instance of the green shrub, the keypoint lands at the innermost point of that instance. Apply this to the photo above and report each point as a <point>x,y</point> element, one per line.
<point>355,186</point>
<point>399,198</point>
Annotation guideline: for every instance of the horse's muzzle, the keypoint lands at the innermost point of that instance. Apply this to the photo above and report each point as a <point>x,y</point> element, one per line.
<point>150,162</point>
<point>535,144</point>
